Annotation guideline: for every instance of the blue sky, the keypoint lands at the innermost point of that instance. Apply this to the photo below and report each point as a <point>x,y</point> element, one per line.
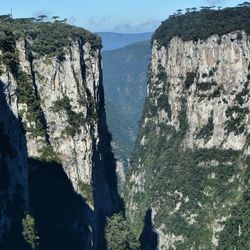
<point>128,16</point>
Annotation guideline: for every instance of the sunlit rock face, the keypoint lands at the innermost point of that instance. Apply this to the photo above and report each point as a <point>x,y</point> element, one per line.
<point>73,81</point>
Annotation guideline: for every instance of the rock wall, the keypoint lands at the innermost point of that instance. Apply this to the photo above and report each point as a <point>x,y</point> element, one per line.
<point>58,100</point>
<point>190,161</point>
<point>77,78</point>
<point>214,74</point>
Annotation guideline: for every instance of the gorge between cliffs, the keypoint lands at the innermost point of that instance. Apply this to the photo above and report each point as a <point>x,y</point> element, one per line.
<point>187,184</point>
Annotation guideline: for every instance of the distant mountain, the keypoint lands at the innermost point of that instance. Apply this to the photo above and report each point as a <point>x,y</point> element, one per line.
<point>125,80</point>
<point>111,41</point>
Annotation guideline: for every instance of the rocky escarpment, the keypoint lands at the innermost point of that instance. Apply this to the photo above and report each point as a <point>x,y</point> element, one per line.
<point>52,75</point>
<point>191,160</point>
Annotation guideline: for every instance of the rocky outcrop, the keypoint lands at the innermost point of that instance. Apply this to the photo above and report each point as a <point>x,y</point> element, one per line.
<point>191,157</point>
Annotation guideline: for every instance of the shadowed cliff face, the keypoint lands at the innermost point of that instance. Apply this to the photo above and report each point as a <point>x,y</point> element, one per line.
<point>148,237</point>
<point>104,174</point>
<point>62,216</point>
<point>13,175</point>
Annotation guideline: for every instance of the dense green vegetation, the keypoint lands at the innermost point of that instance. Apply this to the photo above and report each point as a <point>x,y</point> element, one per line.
<point>33,114</point>
<point>236,234</point>
<point>190,79</point>
<point>207,131</point>
<point>236,116</point>
<point>190,26</point>
<point>47,38</point>
<point>168,167</point>
<point>7,46</point>
<point>243,96</point>
<point>205,86</point>
<point>163,103</point>
<point>119,235</point>
<point>30,233</point>
<point>47,154</point>
<point>86,191</point>
<point>75,120</point>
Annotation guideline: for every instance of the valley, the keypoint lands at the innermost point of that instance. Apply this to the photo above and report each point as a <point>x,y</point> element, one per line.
<point>117,141</point>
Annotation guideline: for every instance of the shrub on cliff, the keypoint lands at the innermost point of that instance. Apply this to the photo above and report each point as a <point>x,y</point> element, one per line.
<point>29,232</point>
<point>119,235</point>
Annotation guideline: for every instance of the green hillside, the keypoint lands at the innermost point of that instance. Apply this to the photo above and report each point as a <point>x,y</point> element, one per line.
<point>125,73</point>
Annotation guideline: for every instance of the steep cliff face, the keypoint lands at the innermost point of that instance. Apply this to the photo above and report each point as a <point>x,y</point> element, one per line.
<point>191,161</point>
<point>68,96</point>
<point>53,74</point>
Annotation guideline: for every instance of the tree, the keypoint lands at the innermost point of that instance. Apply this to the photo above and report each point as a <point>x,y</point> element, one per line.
<point>55,17</point>
<point>206,8</point>
<point>29,232</point>
<point>246,4</point>
<point>42,17</point>
<point>179,11</point>
<point>119,235</point>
